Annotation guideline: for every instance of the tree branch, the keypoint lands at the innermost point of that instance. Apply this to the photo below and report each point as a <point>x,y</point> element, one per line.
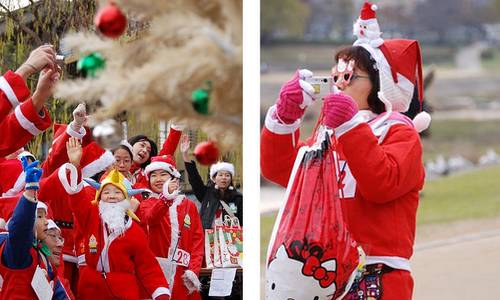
<point>26,29</point>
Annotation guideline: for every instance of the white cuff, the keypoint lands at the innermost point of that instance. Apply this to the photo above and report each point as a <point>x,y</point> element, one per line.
<point>25,123</point>
<point>178,127</point>
<point>9,92</point>
<point>160,291</point>
<point>362,116</point>
<point>79,135</point>
<point>276,126</point>
<point>71,186</point>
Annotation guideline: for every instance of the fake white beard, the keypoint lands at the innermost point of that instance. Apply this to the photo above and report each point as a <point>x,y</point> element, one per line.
<point>113,215</point>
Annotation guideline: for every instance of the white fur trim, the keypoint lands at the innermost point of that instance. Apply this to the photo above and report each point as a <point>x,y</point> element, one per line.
<point>275,126</point>
<point>51,224</point>
<point>80,134</point>
<point>9,92</point>
<point>177,127</point>
<point>193,279</point>
<point>25,123</point>
<point>158,165</point>
<point>71,258</point>
<point>174,234</point>
<point>422,121</point>
<point>71,187</point>
<point>362,116</point>
<point>160,291</point>
<point>18,186</point>
<point>98,165</point>
<point>374,7</point>
<point>391,261</point>
<point>103,263</point>
<point>221,166</point>
<point>41,205</point>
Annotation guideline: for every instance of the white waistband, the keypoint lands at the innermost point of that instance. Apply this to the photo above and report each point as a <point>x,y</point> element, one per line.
<point>395,262</point>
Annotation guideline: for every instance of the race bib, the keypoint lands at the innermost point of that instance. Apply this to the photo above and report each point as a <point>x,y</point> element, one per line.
<point>181,257</point>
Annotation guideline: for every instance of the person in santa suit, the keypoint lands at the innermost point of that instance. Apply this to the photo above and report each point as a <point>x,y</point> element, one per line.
<point>118,266</point>
<point>380,166</point>
<point>144,148</point>
<point>218,197</point>
<point>12,176</point>
<point>55,242</point>
<point>25,255</point>
<point>174,229</point>
<point>20,122</point>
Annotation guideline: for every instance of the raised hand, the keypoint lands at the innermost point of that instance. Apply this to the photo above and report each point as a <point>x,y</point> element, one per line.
<point>43,57</point>
<point>79,117</point>
<point>45,86</point>
<point>74,150</point>
<point>33,174</point>
<point>185,143</point>
<point>295,96</point>
<point>338,109</point>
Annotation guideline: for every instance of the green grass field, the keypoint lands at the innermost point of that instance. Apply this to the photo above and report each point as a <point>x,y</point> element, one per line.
<point>472,195</point>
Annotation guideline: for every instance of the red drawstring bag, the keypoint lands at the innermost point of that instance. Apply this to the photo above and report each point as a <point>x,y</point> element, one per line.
<point>311,254</point>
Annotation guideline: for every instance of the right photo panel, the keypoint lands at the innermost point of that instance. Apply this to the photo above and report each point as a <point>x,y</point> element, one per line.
<point>380,144</point>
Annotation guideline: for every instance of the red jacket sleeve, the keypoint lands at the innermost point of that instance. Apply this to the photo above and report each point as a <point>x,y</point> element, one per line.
<point>387,171</point>
<point>20,126</point>
<point>171,142</point>
<point>151,211</point>
<point>13,91</point>
<point>277,155</point>
<point>197,239</point>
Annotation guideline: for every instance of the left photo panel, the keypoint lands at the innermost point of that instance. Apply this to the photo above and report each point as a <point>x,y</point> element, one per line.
<point>122,149</point>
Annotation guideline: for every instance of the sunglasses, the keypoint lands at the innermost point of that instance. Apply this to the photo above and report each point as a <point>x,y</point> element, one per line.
<point>343,73</point>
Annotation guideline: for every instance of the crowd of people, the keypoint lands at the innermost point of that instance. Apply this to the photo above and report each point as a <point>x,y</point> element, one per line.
<point>91,223</point>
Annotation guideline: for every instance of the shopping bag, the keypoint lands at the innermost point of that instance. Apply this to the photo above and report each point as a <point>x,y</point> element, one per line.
<point>231,243</point>
<point>311,254</point>
<point>212,250</point>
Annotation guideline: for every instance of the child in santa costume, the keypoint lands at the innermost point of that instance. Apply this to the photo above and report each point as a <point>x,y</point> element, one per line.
<point>118,266</point>
<point>173,227</point>
<point>218,197</point>
<point>25,255</point>
<point>380,167</point>
<point>144,149</point>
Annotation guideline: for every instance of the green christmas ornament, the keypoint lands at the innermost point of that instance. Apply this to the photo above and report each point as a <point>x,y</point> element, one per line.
<point>91,64</point>
<point>201,98</point>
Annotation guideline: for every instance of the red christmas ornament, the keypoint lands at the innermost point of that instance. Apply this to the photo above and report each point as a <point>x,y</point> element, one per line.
<point>110,21</point>
<point>206,153</point>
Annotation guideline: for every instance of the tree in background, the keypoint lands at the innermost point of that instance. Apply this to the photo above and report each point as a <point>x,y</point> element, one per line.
<point>283,18</point>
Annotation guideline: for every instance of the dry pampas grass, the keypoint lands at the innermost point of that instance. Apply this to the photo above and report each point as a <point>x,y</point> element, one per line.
<point>153,74</point>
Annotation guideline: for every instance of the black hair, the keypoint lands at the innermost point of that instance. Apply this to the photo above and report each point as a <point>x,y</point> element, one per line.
<point>154,149</point>
<point>367,63</point>
<point>124,148</point>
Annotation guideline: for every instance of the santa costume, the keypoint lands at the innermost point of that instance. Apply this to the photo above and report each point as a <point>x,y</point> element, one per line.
<point>174,231</point>
<point>23,256</point>
<point>381,170</point>
<point>117,265</point>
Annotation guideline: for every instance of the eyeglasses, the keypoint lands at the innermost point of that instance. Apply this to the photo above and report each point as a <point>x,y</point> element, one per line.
<point>56,237</point>
<point>347,77</point>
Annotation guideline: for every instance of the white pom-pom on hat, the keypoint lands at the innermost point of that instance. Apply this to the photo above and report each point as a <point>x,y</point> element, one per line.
<point>374,7</point>
<point>422,121</point>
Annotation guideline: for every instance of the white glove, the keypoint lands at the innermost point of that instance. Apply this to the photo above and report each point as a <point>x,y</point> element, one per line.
<point>79,117</point>
<point>191,281</point>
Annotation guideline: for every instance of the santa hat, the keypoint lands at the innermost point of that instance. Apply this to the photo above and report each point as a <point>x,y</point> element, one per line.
<point>52,225</point>
<point>368,11</point>
<point>163,162</point>
<point>12,177</point>
<point>399,63</point>
<point>95,159</point>
<point>221,166</point>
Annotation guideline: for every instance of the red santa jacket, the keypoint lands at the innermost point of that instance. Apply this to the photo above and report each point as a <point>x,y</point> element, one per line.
<point>13,91</point>
<point>381,173</point>
<point>117,266</point>
<point>11,177</point>
<point>20,126</point>
<point>174,225</point>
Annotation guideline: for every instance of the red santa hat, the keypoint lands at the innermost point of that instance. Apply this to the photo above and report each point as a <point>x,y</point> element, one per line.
<point>400,68</point>
<point>368,11</point>
<point>221,166</point>
<point>163,162</point>
<point>95,159</point>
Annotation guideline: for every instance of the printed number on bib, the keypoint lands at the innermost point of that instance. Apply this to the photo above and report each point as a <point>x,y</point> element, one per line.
<point>181,257</point>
